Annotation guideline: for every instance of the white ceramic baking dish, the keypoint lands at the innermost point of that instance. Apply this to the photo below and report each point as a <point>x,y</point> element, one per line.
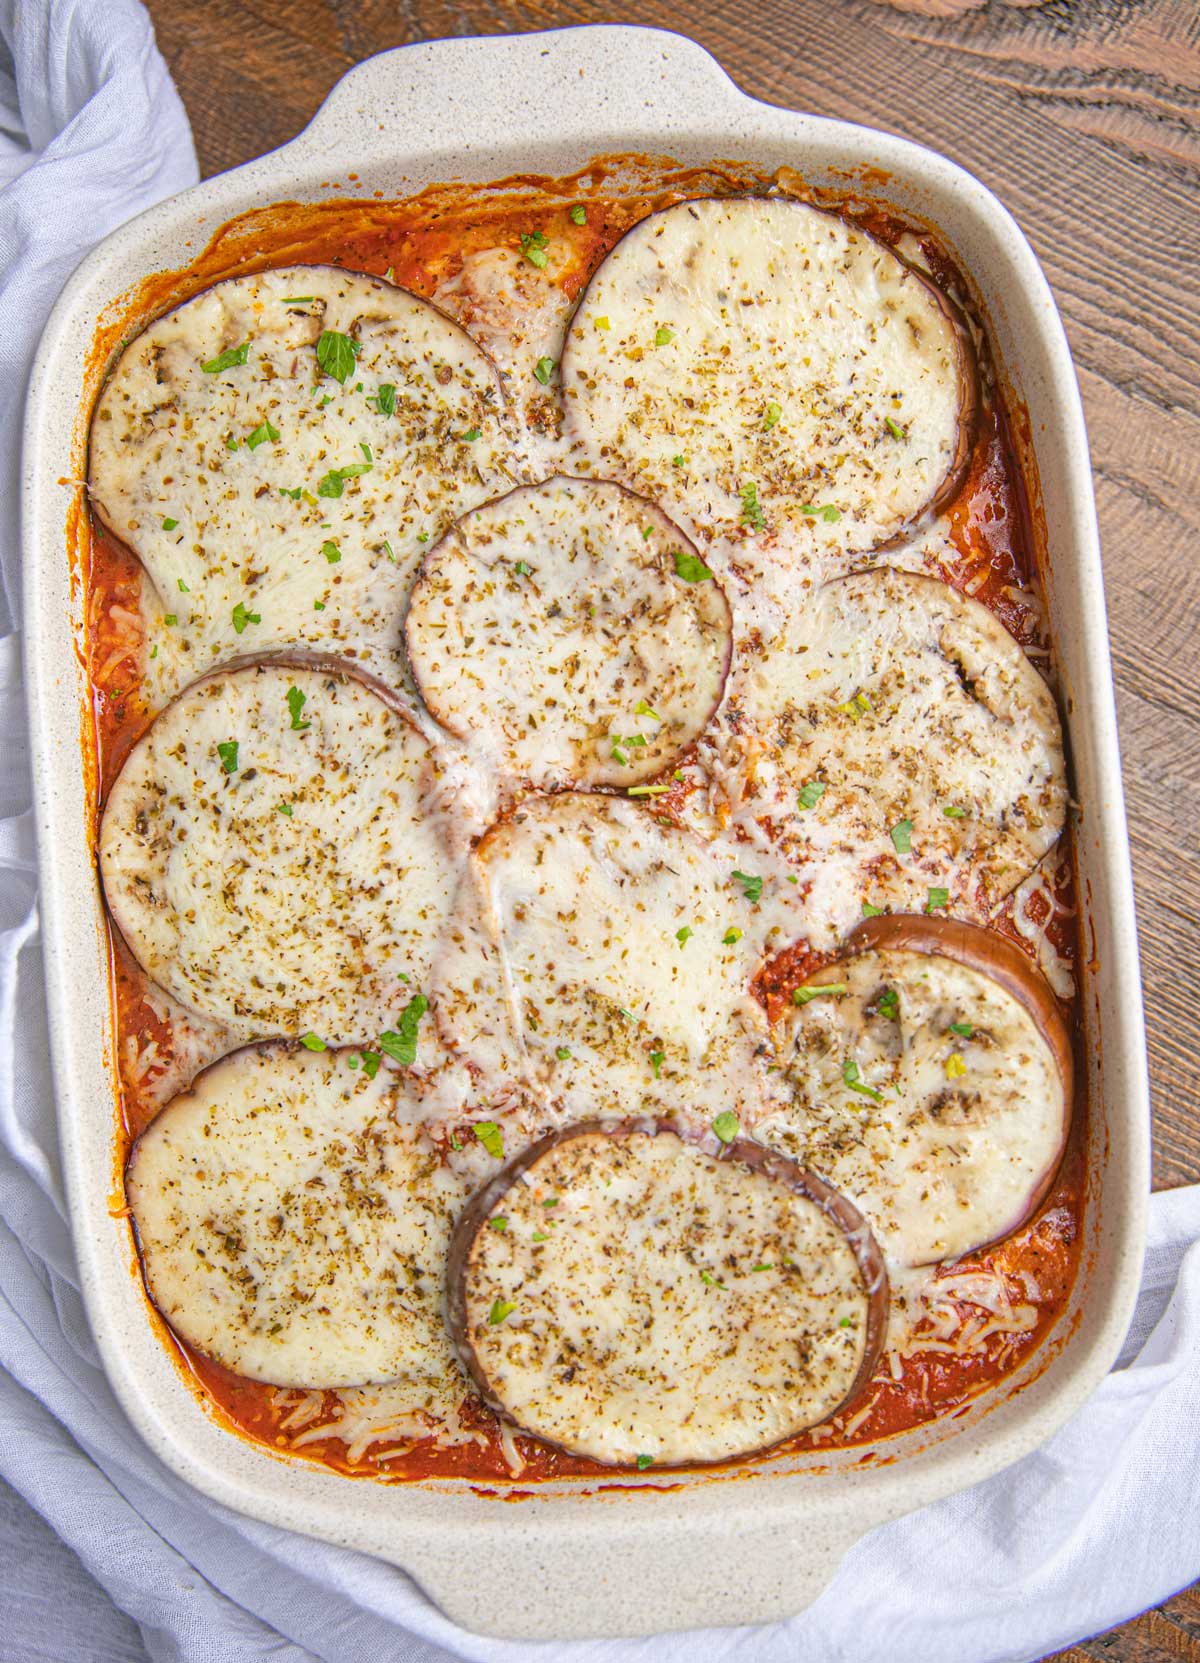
<point>575,1563</point>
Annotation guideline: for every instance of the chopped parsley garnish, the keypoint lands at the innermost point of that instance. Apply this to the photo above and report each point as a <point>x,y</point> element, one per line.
<point>856,708</point>
<point>544,369</point>
<point>499,1223</point>
<point>227,360</point>
<point>644,1461</point>
<point>562,1052</point>
<point>870,911</point>
<point>825,512</point>
<point>370,1062</point>
<point>888,1004</point>
<point>761,1267</point>
<point>334,482</point>
<point>710,1281</point>
<point>228,753</point>
<point>170,619</point>
<point>953,812</point>
<point>264,432</point>
<point>552,1202</point>
<point>470,436</point>
<point>298,299</point>
<point>401,1045</point>
<point>641,708</point>
<point>938,898</point>
<point>522,568</point>
<point>182,586</point>
<point>501,1308</point>
<point>955,1066</point>
<point>313,1042</point>
<point>852,1078</point>
<point>773,413</point>
<point>894,428</point>
<point>618,755</point>
<point>731,935</point>
<point>963,1029</point>
<point>845,1322</point>
<point>690,567</point>
<point>683,936</point>
<point>647,790</point>
<point>726,1126</point>
<point>169,525</point>
<point>579,214</point>
<point>539,1235</point>
<point>805,995</point>
<point>241,618</point>
<point>286,808</point>
<point>752,514</point>
<point>663,336</point>
<point>646,530</point>
<point>656,1061</point>
<point>533,246</point>
<point>336,354</point>
<point>230,442</point>
<point>751,886</point>
<point>901,836</point>
<point>318,606</point>
<point>331,551</point>
<point>294,494</point>
<point>385,399</point>
<point>810,795</point>
<point>678,461</point>
<point>296,701</point>
<point>492,1138</point>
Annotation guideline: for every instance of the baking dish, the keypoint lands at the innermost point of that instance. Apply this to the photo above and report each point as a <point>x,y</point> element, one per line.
<point>575,1560</point>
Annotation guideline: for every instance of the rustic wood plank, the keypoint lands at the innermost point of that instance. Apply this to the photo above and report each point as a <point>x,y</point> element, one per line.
<point>1085,118</point>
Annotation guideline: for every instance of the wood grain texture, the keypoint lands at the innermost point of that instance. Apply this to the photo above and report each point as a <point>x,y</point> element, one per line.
<point>1084,117</point>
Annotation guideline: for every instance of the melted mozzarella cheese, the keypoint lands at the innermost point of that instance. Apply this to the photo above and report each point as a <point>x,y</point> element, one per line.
<point>553,631</point>
<point>273,504</point>
<point>645,1299</point>
<point>596,969</point>
<point>293,1229</point>
<point>943,1140</point>
<point>761,365</point>
<point>296,881</point>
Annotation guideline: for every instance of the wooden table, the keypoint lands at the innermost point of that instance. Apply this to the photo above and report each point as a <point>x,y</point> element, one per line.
<point>1084,116</point>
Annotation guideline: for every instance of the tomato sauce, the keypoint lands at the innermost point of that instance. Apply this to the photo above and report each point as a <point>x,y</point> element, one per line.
<point>420,243</point>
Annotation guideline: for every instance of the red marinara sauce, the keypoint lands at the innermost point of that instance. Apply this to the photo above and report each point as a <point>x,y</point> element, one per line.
<point>419,243</point>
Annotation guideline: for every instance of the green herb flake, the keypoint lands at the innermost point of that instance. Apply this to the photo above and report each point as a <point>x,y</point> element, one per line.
<point>553,1202</point>
<point>385,398</point>
<point>170,619</point>
<point>825,511</point>
<point>752,887</point>
<point>286,808</point>
<point>336,354</point>
<point>894,428</point>
<point>641,708</point>
<point>265,432</point>
<point>318,606</point>
<point>901,836</point>
<point>805,995</point>
<point>644,1461</point>
<point>533,246</point>
<point>888,1004</point>
<point>331,551</point>
<point>470,436</point>
<point>953,812</point>
<point>543,370</point>
<point>370,1063</point>
<point>523,568</point>
<point>227,750</point>
<point>752,514</point>
<point>491,1137</point>
<point>169,525</point>
<point>771,417</point>
<point>679,461</point>
<point>869,911</point>
<point>618,755</point>
<point>499,1223</point>
<point>296,701</point>
<point>231,443</point>
<point>647,790</point>
<point>663,336</point>
<point>684,935</point>
<point>690,567</point>
<point>938,898</point>
<point>401,1044</point>
<point>711,1281</point>
<point>313,1042</point>
<point>731,935</point>
<point>964,1029</point>
<point>227,360</point>
<point>726,1126</point>
<point>182,586</point>
<point>562,1052</point>
<point>852,1079</point>
<point>241,618</point>
<point>579,214</point>
<point>845,1322</point>
<point>298,299</point>
<point>810,795</point>
<point>657,1058</point>
<point>501,1308</point>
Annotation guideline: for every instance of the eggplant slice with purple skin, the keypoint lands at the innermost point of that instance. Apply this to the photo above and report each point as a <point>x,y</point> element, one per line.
<point>638,1296</point>
<point>933,1076</point>
<point>269,853</point>
<point>278,451</point>
<point>571,633</point>
<point>293,1222</point>
<point>763,365</point>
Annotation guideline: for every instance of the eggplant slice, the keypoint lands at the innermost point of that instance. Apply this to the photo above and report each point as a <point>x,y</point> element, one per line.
<point>906,734</point>
<point>933,1082</point>
<point>271,854</point>
<point>292,1228</point>
<point>631,1295</point>
<point>603,963</point>
<point>570,631</point>
<point>763,365</point>
<point>277,452</point>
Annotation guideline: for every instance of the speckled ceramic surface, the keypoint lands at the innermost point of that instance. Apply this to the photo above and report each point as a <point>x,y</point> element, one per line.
<point>574,1562</point>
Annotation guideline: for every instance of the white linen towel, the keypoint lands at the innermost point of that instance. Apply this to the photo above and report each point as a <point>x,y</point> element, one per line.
<point>1098,1524</point>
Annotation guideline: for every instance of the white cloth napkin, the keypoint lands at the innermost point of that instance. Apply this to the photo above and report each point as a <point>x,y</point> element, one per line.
<point>1100,1523</point>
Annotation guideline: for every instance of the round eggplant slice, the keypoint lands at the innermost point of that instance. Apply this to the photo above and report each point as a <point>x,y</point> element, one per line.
<point>636,1297</point>
<point>932,1077</point>
<point>907,732</point>
<point>278,450</point>
<point>269,854</point>
<point>604,958</point>
<point>292,1228</point>
<point>766,365</point>
<point>571,632</point>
